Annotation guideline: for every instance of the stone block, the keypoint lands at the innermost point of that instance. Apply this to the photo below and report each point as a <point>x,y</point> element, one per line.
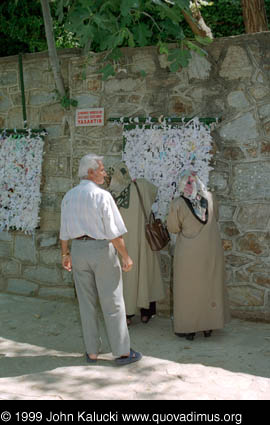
<point>107,146</point>
<point>117,147</point>
<point>49,221</point>
<point>4,102</point>
<point>143,61</point>
<point>2,121</point>
<point>166,266</point>
<point>125,85</point>
<point>226,212</point>
<point>22,287</point>
<point>238,100</point>
<point>51,201</point>
<point>227,245</point>
<point>134,99</point>
<point>233,153</point>
<point>219,181</point>
<point>87,101</point>
<point>57,184</point>
<point>56,293</point>
<point>56,165</point>
<point>229,229</point>
<point>83,147</point>
<point>163,61</point>
<point>237,260</point>
<point>47,240</point>
<point>8,78</point>
<point>67,276</point>
<point>228,275</point>
<point>264,111</point>
<point>3,284</point>
<point>16,98</point>
<point>241,129</point>
<point>11,268</point>
<point>236,64</point>
<point>199,67</point>
<point>94,85</point>
<point>5,236</point>
<point>179,106</point>
<point>252,243</point>
<point>262,279</point>
<point>42,274</point>
<point>25,249</point>
<point>50,256</point>
<point>14,118</point>
<point>251,181</point>
<point>54,131</point>
<point>242,276</point>
<point>254,216</point>
<point>52,114</point>
<point>258,266</point>
<point>265,148</point>
<point>259,92</point>
<point>246,295</point>
<point>38,98</point>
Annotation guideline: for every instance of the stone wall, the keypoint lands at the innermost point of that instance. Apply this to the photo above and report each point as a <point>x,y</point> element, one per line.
<point>232,82</point>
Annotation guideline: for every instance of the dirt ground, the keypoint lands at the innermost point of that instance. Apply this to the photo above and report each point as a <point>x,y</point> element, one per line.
<point>42,358</point>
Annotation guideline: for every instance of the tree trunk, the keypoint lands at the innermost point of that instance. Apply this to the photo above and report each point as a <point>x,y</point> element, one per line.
<point>196,21</point>
<point>254,16</point>
<point>54,60</point>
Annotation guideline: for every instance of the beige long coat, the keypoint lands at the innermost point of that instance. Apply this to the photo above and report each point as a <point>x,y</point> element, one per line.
<point>143,283</point>
<point>199,292</point>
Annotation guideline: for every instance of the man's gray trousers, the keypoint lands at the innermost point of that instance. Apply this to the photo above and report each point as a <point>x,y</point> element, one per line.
<point>98,275</point>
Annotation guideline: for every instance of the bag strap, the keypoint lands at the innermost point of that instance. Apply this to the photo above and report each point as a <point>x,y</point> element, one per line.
<point>141,201</point>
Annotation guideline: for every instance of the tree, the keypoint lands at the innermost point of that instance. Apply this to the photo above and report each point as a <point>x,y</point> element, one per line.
<point>196,21</point>
<point>106,26</point>
<point>21,27</point>
<point>54,60</point>
<point>254,15</point>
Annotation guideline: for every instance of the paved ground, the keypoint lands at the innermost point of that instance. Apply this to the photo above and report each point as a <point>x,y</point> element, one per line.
<point>41,358</point>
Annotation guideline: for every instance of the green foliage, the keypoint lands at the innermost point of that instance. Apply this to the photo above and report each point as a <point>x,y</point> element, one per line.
<point>108,25</point>
<point>225,18</point>
<point>65,101</point>
<point>21,27</point>
<point>113,24</point>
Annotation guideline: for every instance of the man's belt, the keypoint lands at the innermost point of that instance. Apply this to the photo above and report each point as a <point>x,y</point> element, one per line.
<point>85,238</point>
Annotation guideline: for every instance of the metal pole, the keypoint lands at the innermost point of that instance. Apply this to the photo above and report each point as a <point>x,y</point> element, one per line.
<point>22,91</point>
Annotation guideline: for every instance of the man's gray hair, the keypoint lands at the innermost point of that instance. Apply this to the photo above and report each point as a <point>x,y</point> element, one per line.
<point>86,162</point>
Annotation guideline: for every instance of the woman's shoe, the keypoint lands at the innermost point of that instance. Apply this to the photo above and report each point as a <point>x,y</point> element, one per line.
<point>145,319</point>
<point>129,317</point>
<point>190,336</point>
<point>207,333</point>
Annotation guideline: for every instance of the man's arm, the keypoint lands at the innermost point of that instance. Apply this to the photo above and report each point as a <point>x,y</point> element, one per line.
<point>66,258</point>
<point>119,244</point>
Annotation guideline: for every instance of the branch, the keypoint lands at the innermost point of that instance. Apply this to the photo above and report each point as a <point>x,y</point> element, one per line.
<point>196,22</point>
<point>54,60</point>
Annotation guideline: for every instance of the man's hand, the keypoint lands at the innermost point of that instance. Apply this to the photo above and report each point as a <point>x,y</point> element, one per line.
<point>119,244</point>
<point>127,264</point>
<point>67,263</point>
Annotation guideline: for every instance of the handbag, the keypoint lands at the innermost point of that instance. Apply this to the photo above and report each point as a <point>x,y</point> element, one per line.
<point>156,232</point>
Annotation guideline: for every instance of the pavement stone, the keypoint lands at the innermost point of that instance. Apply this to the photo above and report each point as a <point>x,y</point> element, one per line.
<point>42,358</point>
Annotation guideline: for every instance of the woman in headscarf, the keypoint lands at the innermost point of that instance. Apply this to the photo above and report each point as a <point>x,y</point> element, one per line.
<point>143,286</point>
<point>199,292</point>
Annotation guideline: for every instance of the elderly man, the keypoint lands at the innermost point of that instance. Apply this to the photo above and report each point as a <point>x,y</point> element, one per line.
<point>90,217</point>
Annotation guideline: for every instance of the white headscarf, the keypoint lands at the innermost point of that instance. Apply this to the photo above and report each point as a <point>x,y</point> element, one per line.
<point>194,192</point>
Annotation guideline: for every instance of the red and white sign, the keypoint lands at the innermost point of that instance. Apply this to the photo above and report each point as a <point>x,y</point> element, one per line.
<point>89,117</point>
